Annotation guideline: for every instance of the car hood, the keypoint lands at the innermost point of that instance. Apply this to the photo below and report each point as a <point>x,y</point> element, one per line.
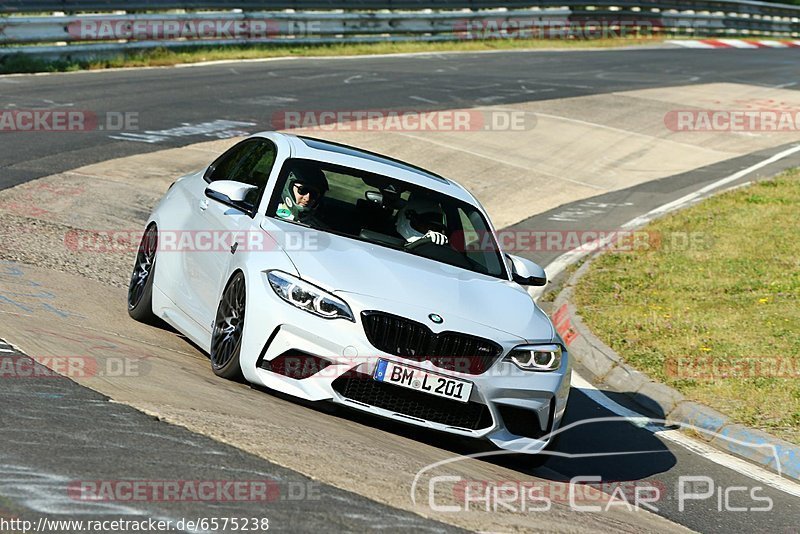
<point>345,265</point>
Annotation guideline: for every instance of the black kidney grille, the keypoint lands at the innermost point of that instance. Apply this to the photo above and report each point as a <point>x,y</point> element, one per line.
<point>449,350</point>
<point>363,388</point>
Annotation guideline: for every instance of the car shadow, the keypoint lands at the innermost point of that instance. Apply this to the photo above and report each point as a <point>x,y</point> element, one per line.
<point>593,442</point>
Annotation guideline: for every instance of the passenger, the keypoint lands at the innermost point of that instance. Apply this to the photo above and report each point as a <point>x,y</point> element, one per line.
<point>421,217</point>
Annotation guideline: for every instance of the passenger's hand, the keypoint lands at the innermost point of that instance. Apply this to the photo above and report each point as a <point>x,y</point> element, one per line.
<point>436,237</point>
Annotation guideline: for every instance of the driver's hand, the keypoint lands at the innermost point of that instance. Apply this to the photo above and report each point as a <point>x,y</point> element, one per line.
<point>436,237</point>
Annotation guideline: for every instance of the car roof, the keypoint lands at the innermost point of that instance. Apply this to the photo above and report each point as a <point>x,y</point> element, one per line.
<point>349,156</point>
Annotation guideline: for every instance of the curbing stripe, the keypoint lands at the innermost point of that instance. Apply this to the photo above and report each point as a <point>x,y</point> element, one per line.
<point>715,43</point>
<point>738,43</point>
<point>658,398</point>
<point>733,43</point>
<point>700,416</point>
<point>773,44</point>
<point>787,453</point>
<point>692,43</point>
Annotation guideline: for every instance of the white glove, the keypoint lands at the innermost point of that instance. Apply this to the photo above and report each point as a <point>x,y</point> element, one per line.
<point>436,237</point>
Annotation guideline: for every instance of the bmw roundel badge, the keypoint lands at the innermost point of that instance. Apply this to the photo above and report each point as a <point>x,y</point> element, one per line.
<point>436,318</point>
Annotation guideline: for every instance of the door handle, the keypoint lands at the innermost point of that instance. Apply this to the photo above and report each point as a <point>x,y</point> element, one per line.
<point>204,204</point>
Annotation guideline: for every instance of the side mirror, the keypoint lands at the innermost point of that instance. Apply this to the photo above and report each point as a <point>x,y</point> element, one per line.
<point>525,272</point>
<point>230,193</point>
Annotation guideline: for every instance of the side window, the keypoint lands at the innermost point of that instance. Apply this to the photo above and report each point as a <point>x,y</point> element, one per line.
<point>221,168</point>
<point>249,162</point>
<point>349,189</point>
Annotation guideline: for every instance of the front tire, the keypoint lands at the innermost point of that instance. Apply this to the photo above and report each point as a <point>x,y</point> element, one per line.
<point>226,339</point>
<point>140,288</point>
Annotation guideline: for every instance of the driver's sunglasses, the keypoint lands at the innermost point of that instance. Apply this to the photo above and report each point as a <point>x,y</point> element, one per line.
<point>303,190</point>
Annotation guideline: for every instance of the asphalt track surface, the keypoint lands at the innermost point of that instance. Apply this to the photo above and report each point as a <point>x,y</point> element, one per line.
<point>251,92</point>
<point>58,435</point>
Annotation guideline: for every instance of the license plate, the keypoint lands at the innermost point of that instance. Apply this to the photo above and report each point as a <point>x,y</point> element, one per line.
<point>420,380</point>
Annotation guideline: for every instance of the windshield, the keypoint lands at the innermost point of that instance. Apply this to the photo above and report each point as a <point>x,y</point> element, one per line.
<point>386,212</point>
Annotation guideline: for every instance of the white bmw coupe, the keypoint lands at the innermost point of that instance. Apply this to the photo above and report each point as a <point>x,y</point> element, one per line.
<point>330,273</point>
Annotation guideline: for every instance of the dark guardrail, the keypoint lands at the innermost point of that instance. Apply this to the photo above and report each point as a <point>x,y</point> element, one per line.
<point>81,28</point>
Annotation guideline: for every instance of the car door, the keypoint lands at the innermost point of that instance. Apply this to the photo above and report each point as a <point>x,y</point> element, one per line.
<point>217,226</point>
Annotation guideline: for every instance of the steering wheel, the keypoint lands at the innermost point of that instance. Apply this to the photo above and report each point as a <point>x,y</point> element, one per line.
<point>418,243</point>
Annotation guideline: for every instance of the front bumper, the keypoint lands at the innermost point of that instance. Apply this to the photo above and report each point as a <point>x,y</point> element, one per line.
<point>515,409</point>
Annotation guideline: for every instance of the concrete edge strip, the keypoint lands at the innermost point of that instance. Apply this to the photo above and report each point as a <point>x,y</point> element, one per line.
<point>607,367</point>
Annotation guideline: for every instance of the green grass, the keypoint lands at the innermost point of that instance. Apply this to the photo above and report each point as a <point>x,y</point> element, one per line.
<point>165,57</point>
<point>731,297</point>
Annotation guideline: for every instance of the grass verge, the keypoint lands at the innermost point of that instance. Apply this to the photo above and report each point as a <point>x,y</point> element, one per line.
<point>160,57</point>
<point>714,311</point>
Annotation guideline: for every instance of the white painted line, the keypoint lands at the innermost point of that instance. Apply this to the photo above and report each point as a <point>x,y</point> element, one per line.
<point>421,99</point>
<point>556,266</point>
<point>675,204</point>
<point>736,43</point>
<point>6,350</point>
<point>694,446</point>
<point>691,43</point>
<point>570,85</point>
<point>774,44</point>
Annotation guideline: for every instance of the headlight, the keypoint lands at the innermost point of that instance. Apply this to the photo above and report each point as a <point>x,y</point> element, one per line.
<point>536,357</point>
<point>308,297</point>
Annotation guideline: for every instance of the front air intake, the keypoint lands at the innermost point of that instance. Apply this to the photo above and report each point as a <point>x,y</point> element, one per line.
<point>295,364</point>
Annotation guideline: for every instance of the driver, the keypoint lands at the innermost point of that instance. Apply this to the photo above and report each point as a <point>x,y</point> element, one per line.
<point>304,189</point>
<point>421,217</point>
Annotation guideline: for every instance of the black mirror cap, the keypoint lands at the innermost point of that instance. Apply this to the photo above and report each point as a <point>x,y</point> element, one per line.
<point>530,280</point>
<point>219,197</point>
